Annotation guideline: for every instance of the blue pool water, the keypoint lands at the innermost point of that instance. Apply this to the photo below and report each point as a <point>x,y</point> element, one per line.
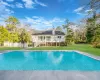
<point>47,60</point>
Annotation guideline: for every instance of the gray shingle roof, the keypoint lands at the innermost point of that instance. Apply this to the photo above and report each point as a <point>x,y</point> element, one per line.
<point>50,33</point>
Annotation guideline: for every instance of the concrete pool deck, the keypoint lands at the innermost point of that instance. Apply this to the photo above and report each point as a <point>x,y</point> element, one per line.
<point>49,75</point>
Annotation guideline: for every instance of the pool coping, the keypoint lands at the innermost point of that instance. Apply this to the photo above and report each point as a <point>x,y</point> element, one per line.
<point>79,52</point>
<point>49,75</point>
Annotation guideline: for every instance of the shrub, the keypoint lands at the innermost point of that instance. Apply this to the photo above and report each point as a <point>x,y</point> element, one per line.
<point>96,45</point>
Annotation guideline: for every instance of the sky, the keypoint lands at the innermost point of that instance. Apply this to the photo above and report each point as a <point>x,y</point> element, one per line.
<point>42,14</point>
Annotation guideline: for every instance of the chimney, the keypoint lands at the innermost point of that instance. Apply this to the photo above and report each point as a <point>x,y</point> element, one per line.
<point>53,31</point>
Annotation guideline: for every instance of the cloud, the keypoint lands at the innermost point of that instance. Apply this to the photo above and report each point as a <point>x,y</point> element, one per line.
<point>19,5</point>
<point>81,12</point>
<point>33,4</point>
<point>78,9</point>
<point>40,3</point>
<point>89,10</point>
<point>42,23</point>
<point>6,4</point>
<point>57,20</point>
<point>10,0</point>
<point>5,11</point>
<point>29,3</point>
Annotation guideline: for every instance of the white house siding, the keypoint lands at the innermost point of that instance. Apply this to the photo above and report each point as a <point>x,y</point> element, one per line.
<point>58,39</point>
<point>36,40</point>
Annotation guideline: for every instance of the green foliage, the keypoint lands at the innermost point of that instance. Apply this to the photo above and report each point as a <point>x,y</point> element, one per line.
<point>90,29</point>
<point>14,37</point>
<point>11,26</point>
<point>79,36</point>
<point>69,39</point>
<point>93,32</point>
<point>70,36</point>
<point>4,35</point>
<point>93,29</point>
<point>24,36</point>
<point>96,38</point>
<point>12,20</point>
<point>13,34</point>
<point>90,34</point>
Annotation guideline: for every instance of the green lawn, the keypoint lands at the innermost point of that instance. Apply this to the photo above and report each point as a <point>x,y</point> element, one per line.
<point>81,47</point>
<point>10,48</point>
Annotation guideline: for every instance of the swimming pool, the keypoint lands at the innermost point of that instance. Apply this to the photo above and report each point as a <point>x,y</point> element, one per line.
<point>47,60</point>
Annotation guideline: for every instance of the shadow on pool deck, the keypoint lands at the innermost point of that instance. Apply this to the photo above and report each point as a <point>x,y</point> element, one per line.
<point>49,75</point>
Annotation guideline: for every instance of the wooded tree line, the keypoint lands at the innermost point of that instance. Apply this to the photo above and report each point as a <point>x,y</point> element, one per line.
<point>90,32</point>
<point>12,33</point>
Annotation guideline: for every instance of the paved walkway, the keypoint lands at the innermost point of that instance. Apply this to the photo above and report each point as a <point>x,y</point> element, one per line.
<point>49,75</point>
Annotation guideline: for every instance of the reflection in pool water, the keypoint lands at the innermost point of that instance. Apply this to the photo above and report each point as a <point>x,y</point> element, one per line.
<point>56,59</point>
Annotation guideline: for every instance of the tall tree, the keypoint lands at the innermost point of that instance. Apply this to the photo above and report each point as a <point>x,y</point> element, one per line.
<point>80,35</point>
<point>69,32</point>
<point>90,29</point>
<point>11,23</point>
<point>94,6</point>
<point>24,37</point>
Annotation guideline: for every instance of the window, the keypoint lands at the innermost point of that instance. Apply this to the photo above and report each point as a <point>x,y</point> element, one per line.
<point>41,38</point>
<point>59,37</point>
<point>48,38</point>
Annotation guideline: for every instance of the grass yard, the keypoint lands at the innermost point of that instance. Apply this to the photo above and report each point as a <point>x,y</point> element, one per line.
<point>81,47</point>
<point>10,48</point>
